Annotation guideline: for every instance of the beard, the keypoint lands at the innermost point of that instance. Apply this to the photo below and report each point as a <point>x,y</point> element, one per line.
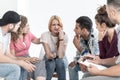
<point>9,31</point>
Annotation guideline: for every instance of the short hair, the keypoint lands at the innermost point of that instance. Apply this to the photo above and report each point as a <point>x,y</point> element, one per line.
<point>102,17</point>
<point>85,22</point>
<point>115,3</point>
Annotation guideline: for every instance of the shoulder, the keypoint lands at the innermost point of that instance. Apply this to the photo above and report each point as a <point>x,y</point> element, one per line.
<point>94,37</point>
<point>94,34</point>
<point>117,29</point>
<point>45,33</point>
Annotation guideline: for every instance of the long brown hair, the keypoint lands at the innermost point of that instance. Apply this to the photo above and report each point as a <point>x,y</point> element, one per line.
<point>15,36</point>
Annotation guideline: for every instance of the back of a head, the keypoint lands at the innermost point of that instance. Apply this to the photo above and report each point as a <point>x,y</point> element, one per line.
<point>9,17</point>
<point>85,22</point>
<point>115,3</point>
<point>102,17</point>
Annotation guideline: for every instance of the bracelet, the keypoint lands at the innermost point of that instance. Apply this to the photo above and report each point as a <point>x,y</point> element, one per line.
<point>61,39</point>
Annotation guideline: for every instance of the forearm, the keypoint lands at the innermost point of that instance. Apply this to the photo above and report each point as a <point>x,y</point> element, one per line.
<point>6,59</point>
<point>108,61</point>
<point>112,71</point>
<point>61,49</point>
<point>11,56</point>
<point>23,58</point>
<point>36,41</point>
<point>79,48</point>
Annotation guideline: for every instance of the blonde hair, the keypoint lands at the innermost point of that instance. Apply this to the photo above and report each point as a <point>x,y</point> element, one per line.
<point>55,17</point>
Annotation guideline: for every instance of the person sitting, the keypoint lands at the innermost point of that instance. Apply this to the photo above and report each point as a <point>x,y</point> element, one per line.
<point>108,42</point>
<point>85,42</point>
<point>20,44</point>
<point>55,43</point>
<point>10,65</point>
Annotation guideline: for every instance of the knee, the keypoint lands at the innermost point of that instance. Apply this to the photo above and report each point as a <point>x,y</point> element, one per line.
<point>71,69</point>
<point>16,69</point>
<point>59,62</point>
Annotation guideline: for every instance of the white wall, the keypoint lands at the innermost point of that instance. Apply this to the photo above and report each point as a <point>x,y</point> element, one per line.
<point>39,12</point>
<point>6,5</point>
<point>69,10</point>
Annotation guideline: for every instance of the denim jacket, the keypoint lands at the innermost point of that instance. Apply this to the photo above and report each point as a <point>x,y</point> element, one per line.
<point>91,46</point>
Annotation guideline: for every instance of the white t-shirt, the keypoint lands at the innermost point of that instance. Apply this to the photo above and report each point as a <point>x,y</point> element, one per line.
<point>52,40</point>
<point>4,40</point>
<point>46,37</point>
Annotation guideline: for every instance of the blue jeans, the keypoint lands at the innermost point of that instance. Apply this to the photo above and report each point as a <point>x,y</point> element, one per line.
<point>55,65</point>
<point>23,75</point>
<point>9,71</point>
<point>73,72</point>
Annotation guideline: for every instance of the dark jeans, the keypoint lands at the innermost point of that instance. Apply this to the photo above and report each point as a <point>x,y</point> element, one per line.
<point>55,65</point>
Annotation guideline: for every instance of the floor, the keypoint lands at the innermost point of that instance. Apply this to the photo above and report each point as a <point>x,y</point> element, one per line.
<point>67,76</point>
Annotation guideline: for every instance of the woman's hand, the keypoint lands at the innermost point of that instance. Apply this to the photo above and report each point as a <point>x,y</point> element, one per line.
<point>34,59</point>
<point>51,55</point>
<point>61,34</point>
<point>95,60</point>
<point>92,58</point>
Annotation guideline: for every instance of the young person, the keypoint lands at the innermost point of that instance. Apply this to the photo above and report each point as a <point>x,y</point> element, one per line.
<point>107,44</point>
<point>9,65</point>
<point>85,42</point>
<point>20,44</point>
<point>55,43</point>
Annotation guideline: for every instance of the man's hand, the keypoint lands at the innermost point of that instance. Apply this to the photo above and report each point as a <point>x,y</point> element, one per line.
<point>93,70</point>
<point>27,66</point>
<point>61,34</point>
<point>76,41</point>
<point>88,57</point>
<point>72,64</point>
